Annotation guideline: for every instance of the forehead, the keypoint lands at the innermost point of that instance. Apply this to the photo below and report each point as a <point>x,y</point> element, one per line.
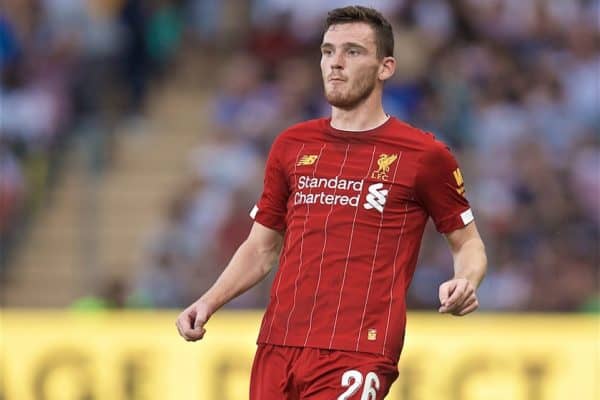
<point>355,32</point>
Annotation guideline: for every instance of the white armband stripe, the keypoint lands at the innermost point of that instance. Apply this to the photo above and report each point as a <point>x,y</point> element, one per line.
<point>253,212</point>
<point>467,216</point>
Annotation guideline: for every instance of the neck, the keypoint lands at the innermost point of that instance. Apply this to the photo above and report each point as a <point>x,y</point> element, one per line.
<point>365,116</point>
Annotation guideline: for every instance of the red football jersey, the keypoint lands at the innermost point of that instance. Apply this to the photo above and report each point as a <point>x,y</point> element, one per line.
<point>353,206</point>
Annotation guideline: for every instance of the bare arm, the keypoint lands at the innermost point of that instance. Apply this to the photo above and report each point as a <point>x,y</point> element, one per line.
<point>458,296</point>
<point>249,265</point>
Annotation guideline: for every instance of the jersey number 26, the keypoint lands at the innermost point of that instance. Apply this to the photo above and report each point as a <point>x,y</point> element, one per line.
<point>353,380</point>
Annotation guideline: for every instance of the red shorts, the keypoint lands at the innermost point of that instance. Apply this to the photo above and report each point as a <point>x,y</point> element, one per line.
<point>297,373</point>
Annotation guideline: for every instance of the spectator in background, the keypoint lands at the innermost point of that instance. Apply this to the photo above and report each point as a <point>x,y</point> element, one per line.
<point>60,77</point>
<point>163,34</point>
<point>12,191</point>
<point>112,294</point>
<point>9,45</point>
<point>511,85</point>
<point>135,55</point>
<point>272,41</point>
<point>172,252</point>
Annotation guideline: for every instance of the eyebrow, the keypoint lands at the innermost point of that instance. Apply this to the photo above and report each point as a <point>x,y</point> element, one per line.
<point>344,45</point>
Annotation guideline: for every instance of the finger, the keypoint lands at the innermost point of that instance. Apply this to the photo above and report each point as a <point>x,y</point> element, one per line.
<point>197,331</point>
<point>183,331</point>
<point>185,320</point>
<point>462,291</point>
<point>191,335</point>
<point>468,309</point>
<point>194,334</point>
<point>458,307</point>
<point>446,289</point>
<point>449,309</point>
<point>451,304</point>
<point>185,326</point>
<point>199,321</point>
<point>181,326</point>
<point>190,318</point>
<point>178,328</point>
<point>458,300</point>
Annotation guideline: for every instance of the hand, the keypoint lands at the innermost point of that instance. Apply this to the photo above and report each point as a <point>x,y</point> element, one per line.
<point>458,297</point>
<point>190,322</point>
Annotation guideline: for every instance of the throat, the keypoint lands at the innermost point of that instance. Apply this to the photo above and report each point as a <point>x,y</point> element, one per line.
<point>351,121</point>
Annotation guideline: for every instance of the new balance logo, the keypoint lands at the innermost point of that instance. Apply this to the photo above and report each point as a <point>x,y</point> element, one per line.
<point>307,159</point>
<point>376,198</point>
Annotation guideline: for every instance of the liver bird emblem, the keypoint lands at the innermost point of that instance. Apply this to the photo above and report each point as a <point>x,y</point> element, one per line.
<point>384,161</point>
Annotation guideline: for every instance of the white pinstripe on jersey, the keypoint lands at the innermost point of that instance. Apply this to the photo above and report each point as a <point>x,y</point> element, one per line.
<point>348,256</point>
<point>287,327</point>
<point>387,325</point>
<point>373,264</point>
<point>288,230</point>
<point>323,250</point>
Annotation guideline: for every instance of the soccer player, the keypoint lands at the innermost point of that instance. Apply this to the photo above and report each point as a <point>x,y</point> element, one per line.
<point>344,206</point>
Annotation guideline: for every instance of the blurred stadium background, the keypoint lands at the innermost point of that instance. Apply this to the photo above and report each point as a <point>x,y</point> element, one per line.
<point>133,135</point>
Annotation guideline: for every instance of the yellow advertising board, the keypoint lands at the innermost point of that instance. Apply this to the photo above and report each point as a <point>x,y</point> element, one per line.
<point>61,355</point>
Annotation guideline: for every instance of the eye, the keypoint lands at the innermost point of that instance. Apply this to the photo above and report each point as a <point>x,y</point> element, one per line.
<point>353,52</point>
<point>326,52</point>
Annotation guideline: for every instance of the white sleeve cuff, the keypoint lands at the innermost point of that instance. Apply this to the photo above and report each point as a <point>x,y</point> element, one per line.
<point>255,210</point>
<point>467,217</point>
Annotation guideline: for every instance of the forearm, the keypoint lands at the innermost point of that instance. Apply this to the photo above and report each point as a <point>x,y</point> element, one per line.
<point>470,261</point>
<point>248,266</point>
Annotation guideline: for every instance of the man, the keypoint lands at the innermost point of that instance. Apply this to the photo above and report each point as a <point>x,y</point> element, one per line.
<point>344,206</point>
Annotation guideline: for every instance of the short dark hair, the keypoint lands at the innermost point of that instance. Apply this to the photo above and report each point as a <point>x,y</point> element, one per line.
<point>384,37</point>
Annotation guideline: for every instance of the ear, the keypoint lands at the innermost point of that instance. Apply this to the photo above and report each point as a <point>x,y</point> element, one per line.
<point>387,68</point>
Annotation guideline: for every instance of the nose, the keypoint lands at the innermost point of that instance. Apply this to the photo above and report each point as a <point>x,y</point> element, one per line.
<point>338,61</point>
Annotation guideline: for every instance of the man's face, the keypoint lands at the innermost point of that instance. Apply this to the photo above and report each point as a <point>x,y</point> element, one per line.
<point>349,64</point>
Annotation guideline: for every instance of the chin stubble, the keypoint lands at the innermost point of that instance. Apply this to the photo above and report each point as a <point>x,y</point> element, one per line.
<point>354,97</point>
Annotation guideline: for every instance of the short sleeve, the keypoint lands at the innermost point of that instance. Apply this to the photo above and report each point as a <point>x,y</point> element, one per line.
<point>441,190</point>
<point>271,208</point>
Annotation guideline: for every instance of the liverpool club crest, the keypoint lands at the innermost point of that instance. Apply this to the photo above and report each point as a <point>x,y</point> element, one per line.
<point>384,163</point>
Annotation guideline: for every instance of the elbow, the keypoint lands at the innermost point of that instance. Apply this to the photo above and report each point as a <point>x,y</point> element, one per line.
<point>264,255</point>
<point>269,257</point>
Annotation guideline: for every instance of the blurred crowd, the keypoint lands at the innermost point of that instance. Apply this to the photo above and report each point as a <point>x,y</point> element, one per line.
<point>70,69</point>
<point>511,85</point>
